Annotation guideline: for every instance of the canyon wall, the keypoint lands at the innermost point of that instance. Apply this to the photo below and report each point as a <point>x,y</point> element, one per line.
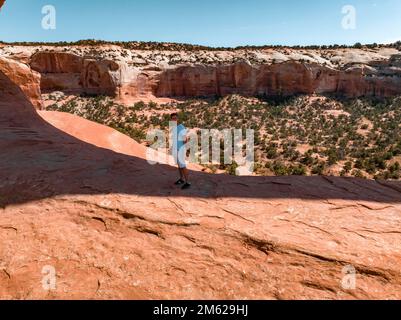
<point>102,73</point>
<point>75,74</point>
<point>69,72</point>
<point>242,78</point>
<point>286,78</point>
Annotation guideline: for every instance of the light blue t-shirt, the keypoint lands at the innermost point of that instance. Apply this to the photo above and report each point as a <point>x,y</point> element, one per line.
<point>181,135</point>
<point>179,147</point>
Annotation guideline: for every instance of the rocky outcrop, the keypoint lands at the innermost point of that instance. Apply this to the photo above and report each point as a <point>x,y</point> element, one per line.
<point>100,77</point>
<point>240,78</point>
<point>56,62</point>
<point>286,78</point>
<point>23,78</point>
<point>118,76</point>
<point>136,83</point>
<point>2,3</point>
<point>74,74</point>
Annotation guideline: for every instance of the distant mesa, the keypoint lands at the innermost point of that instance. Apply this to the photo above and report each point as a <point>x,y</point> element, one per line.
<point>113,70</point>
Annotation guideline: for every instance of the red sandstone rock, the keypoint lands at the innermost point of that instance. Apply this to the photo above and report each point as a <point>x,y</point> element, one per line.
<point>103,136</point>
<point>286,78</point>
<point>56,62</point>
<point>100,77</point>
<point>73,73</point>
<point>112,226</point>
<point>21,75</point>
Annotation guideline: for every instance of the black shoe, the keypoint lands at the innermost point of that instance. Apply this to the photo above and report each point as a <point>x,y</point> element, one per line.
<point>186,186</point>
<point>179,182</point>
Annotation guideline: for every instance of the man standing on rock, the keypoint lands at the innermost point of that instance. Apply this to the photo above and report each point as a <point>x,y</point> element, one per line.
<point>179,150</point>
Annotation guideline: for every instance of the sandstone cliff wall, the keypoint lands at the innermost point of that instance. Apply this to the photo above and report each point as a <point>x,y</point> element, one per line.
<point>76,74</point>
<point>277,79</point>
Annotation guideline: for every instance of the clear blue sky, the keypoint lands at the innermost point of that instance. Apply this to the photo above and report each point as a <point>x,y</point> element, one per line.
<point>206,22</point>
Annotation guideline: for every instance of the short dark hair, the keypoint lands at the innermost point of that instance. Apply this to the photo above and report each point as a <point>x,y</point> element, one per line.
<point>174,115</point>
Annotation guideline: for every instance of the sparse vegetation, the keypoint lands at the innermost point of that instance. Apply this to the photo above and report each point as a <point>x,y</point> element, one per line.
<point>169,46</point>
<point>294,136</point>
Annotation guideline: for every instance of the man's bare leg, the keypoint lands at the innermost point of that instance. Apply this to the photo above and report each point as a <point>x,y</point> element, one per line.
<point>187,184</point>
<point>185,174</point>
<point>182,178</point>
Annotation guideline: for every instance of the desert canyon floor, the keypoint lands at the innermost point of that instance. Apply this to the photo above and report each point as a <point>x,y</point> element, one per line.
<point>81,197</point>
